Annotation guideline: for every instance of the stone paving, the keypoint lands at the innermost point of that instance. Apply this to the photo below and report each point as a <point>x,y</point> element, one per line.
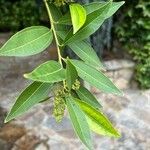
<point>37,129</point>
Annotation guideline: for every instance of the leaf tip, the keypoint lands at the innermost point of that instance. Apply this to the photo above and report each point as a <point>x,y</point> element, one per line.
<point>120,93</point>
<point>118,134</point>
<point>7,119</point>
<point>123,2</point>
<point>26,75</point>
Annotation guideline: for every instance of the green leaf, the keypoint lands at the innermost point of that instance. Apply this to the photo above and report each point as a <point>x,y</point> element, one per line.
<point>95,77</point>
<point>86,53</point>
<point>93,22</point>
<point>78,16</point>
<point>29,41</point>
<point>91,7</point>
<point>33,94</point>
<point>79,122</point>
<point>97,120</point>
<point>55,12</point>
<point>65,19</point>
<point>71,74</point>
<point>85,95</point>
<point>115,6</point>
<point>50,71</point>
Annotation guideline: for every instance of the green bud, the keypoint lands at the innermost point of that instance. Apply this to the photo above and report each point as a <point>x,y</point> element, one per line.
<point>76,85</point>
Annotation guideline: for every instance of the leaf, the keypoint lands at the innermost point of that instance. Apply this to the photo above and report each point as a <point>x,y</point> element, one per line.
<point>95,127</point>
<point>50,71</point>
<point>86,53</point>
<point>78,16</point>
<point>29,41</point>
<point>65,19</point>
<point>115,6</point>
<point>71,74</point>
<point>55,12</point>
<point>93,22</point>
<point>79,122</point>
<point>33,94</point>
<point>97,120</point>
<point>86,96</point>
<point>95,77</point>
<point>91,7</point>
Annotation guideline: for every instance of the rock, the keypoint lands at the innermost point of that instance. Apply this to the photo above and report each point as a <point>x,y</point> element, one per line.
<point>4,145</point>
<point>37,129</point>
<point>121,83</point>
<point>27,142</point>
<point>118,64</point>
<point>2,116</point>
<point>11,132</point>
<point>42,146</point>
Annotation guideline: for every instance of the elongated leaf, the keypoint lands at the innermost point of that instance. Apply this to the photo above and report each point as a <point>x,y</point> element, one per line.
<point>95,77</point>
<point>79,122</point>
<point>93,22</point>
<point>98,120</point>
<point>91,7</point>
<point>95,127</point>
<point>55,12</point>
<point>65,19</point>
<point>30,41</point>
<point>78,16</point>
<point>50,71</point>
<point>88,97</point>
<point>71,74</point>
<point>86,53</point>
<point>32,95</point>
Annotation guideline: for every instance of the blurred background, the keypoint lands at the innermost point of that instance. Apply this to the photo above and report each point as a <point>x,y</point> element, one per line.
<point>122,43</point>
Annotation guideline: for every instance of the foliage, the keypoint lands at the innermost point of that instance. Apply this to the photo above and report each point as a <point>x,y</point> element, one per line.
<point>16,14</point>
<point>133,31</point>
<point>63,77</point>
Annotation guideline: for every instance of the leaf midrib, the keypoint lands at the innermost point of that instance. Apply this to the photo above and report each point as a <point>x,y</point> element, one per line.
<point>47,73</point>
<point>80,31</point>
<point>79,125</point>
<point>93,60</point>
<point>107,129</point>
<point>95,79</point>
<point>26,100</point>
<point>25,43</point>
<point>110,129</point>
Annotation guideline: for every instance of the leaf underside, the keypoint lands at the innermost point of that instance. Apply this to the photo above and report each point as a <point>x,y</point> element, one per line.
<point>79,122</point>
<point>27,42</point>
<point>95,77</point>
<point>97,120</point>
<point>32,95</point>
<point>50,71</point>
<point>78,16</point>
